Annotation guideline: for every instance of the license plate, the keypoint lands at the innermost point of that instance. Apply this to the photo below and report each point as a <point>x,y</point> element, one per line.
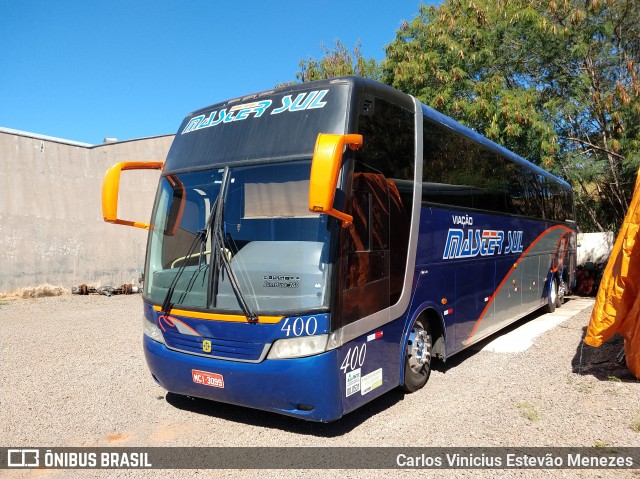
<point>207,379</point>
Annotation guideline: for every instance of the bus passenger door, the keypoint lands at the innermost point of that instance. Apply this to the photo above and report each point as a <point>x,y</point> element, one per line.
<point>369,364</point>
<point>366,259</point>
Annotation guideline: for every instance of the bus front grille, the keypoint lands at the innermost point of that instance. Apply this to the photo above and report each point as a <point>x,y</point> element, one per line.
<point>231,350</point>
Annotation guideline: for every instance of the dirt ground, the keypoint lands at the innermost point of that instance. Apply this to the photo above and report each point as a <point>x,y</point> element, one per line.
<point>73,374</point>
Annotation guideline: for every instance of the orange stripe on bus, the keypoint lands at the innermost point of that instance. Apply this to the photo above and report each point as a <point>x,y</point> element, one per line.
<point>554,267</point>
<point>493,296</point>
<point>234,318</point>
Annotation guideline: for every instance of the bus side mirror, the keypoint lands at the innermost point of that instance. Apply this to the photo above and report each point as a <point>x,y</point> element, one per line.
<point>111,187</point>
<point>325,166</point>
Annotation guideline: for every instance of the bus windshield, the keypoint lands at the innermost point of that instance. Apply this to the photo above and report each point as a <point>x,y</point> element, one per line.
<point>276,249</point>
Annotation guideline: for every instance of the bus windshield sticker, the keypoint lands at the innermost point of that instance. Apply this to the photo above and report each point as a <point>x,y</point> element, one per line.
<point>281,281</point>
<point>303,101</point>
<point>236,113</point>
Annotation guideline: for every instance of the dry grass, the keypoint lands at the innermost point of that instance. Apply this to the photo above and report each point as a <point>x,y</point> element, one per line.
<point>37,292</point>
<point>635,424</point>
<point>529,411</point>
<point>601,444</point>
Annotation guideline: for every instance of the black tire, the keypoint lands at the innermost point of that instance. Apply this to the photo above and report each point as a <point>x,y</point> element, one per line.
<point>562,286</point>
<point>417,360</point>
<point>552,296</point>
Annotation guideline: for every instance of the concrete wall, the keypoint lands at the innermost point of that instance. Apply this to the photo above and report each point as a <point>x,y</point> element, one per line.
<point>595,247</point>
<point>51,226</point>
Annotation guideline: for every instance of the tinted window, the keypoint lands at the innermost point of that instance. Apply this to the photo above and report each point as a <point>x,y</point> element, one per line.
<point>559,202</point>
<point>459,172</point>
<point>388,134</point>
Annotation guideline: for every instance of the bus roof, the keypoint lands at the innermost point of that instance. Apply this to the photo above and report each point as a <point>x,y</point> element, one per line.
<point>371,86</point>
<point>374,87</point>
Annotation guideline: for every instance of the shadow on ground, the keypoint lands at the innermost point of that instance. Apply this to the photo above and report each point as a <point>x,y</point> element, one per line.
<point>266,419</point>
<point>605,363</point>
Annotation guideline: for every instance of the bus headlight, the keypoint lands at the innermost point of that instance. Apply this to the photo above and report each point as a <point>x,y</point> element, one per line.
<point>298,347</point>
<point>152,331</point>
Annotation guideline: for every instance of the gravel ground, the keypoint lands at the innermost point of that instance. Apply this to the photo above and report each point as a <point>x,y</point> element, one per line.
<point>73,374</point>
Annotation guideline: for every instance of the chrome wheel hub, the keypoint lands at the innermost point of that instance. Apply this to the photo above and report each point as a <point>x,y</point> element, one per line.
<point>562,290</point>
<point>418,349</point>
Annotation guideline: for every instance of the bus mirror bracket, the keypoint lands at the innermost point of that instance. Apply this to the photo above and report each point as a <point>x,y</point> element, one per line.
<point>325,166</point>
<point>111,188</point>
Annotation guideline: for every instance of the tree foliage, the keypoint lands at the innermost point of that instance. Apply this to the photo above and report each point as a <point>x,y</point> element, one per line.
<point>556,81</point>
<point>337,62</point>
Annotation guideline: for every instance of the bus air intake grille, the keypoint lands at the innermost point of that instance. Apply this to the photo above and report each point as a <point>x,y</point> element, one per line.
<point>220,348</point>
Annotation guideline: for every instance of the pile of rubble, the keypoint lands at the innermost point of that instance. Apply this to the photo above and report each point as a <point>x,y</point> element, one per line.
<point>83,289</point>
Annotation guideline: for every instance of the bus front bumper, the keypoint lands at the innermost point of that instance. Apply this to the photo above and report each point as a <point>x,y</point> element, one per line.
<point>306,388</point>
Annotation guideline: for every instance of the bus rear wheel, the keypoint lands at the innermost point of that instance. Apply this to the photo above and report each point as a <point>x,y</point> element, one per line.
<point>417,361</point>
<point>562,290</point>
<point>552,296</point>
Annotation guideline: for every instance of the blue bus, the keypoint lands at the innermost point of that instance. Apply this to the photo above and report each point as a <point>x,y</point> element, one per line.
<point>315,246</point>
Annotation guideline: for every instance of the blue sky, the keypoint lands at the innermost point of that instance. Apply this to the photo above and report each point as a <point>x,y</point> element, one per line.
<point>86,70</point>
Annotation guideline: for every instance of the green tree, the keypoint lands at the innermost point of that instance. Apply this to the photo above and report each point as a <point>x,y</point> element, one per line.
<point>337,62</point>
<point>556,81</point>
<point>596,100</point>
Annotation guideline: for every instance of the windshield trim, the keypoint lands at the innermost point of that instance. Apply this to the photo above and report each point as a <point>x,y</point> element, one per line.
<point>241,163</point>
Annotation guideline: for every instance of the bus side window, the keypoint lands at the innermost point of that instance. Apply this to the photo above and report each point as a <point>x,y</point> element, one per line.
<point>369,234</point>
<point>366,252</point>
<point>360,231</point>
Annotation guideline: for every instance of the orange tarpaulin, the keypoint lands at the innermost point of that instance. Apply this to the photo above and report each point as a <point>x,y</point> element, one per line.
<point>617,308</point>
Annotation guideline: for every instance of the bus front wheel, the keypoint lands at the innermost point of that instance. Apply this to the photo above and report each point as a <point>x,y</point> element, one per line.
<point>417,361</point>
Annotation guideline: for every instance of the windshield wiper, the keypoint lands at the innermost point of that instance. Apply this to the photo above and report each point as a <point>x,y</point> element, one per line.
<point>220,254</point>
<point>200,237</point>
